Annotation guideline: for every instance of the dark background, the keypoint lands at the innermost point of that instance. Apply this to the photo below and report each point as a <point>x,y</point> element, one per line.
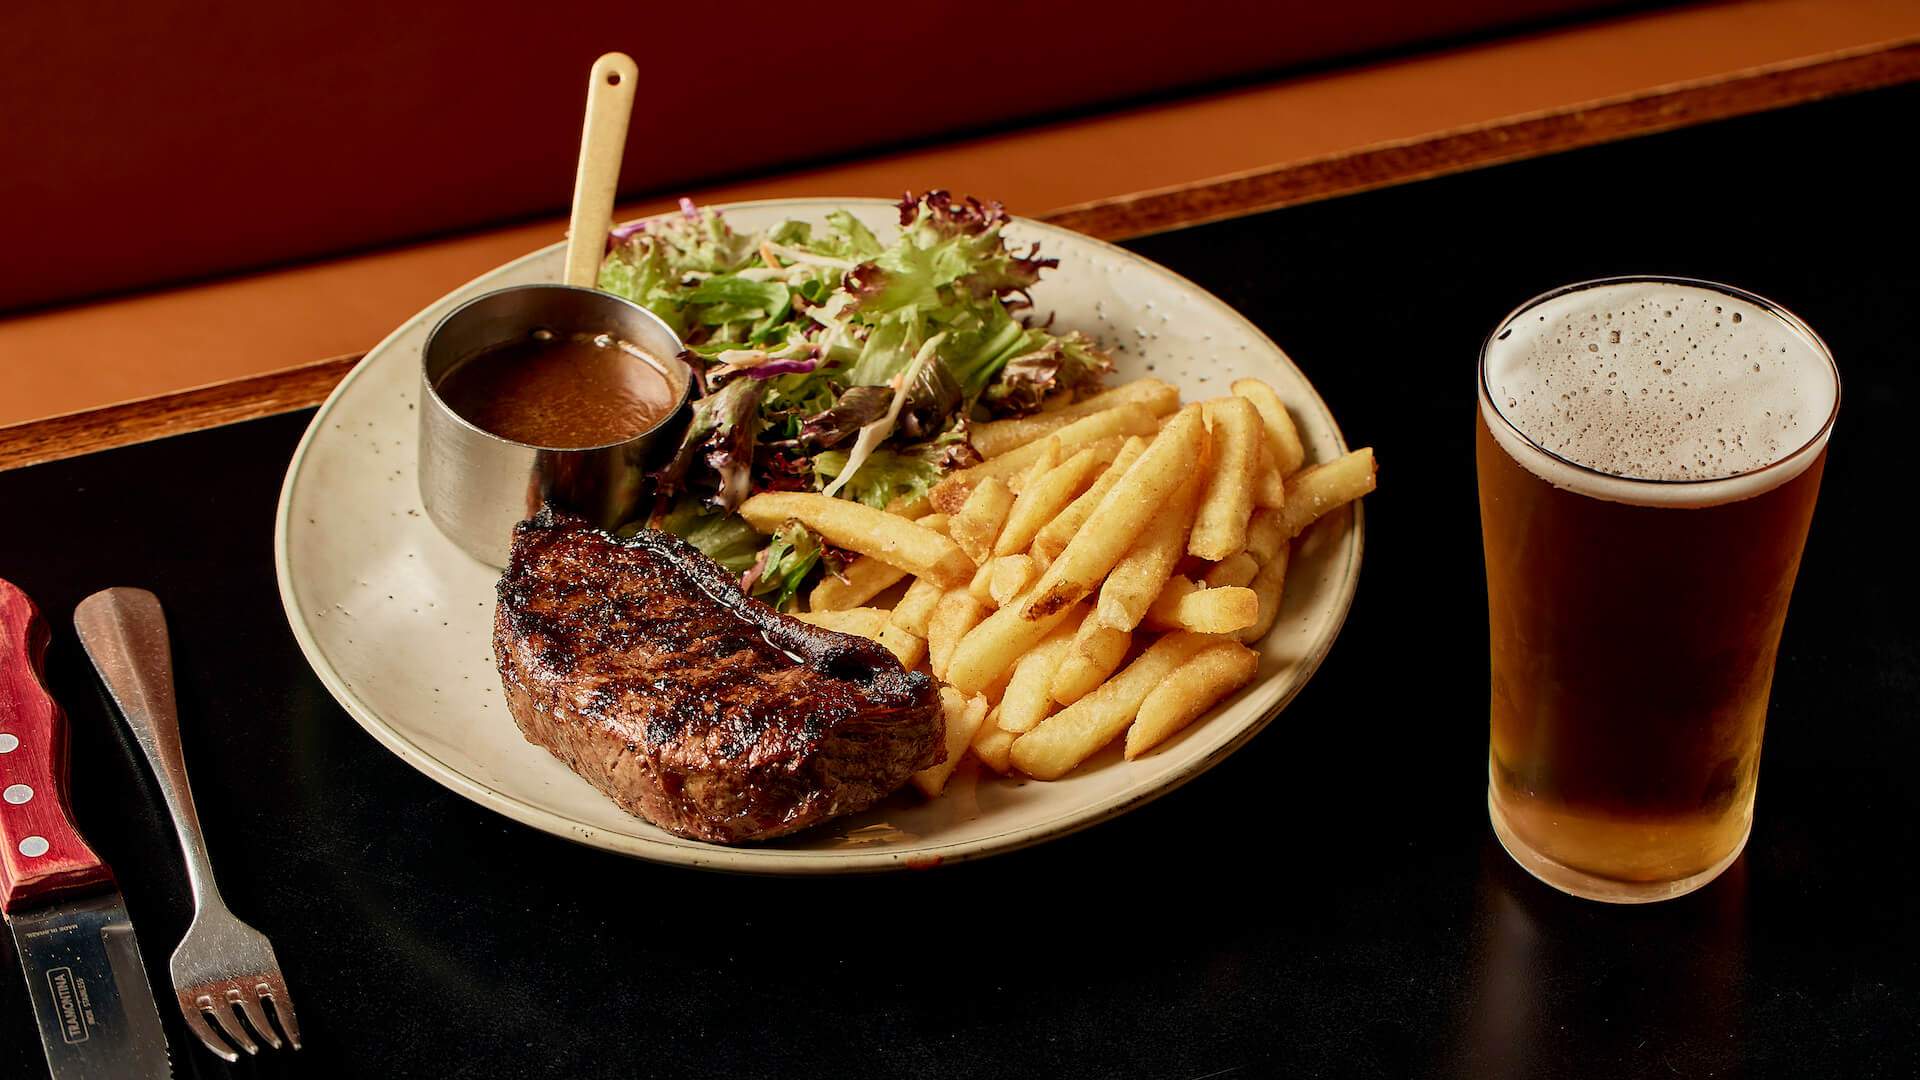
<point>1328,902</point>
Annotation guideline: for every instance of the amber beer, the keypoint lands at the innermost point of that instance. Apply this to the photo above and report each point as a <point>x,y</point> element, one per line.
<point>1649,452</point>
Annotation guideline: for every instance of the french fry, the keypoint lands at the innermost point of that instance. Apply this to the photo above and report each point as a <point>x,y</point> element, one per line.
<point>963,717</point>
<point>911,506</point>
<point>1269,491</point>
<point>993,744</point>
<point>996,437</point>
<point>1269,585</point>
<point>1319,489</point>
<point>1053,538</point>
<point>1028,700</point>
<point>957,613</point>
<point>1123,420</point>
<point>1049,456</point>
<point>862,580</point>
<point>1012,574</point>
<point>1042,498</point>
<point>1263,535</point>
<point>993,646</point>
<point>888,537</point>
<point>1129,590</point>
<point>1237,570</point>
<point>981,587</point>
<point>1159,398</point>
<point>1095,653</point>
<point>1212,674</point>
<point>1184,606</point>
<point>977,524</point>
<point>1220,525</point>
<point>1282,436</point>
<point>915,609</point>
<point>1062,741</point>
<point>1130,506</point>
<point>907,647</point>
<point>863,622</point>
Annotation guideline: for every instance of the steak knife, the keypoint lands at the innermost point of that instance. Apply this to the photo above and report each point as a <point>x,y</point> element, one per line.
<point>89,989</point>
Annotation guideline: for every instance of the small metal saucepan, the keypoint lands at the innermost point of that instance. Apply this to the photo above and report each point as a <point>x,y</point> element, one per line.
<point>477,485</point>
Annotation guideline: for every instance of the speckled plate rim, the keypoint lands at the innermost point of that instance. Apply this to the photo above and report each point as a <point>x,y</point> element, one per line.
<point>1270,701</point>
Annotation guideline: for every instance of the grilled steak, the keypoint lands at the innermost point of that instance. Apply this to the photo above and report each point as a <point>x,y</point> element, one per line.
<point>641,664</point>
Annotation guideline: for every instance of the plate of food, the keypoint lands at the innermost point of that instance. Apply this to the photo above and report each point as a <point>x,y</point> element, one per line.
<point>980,531</point>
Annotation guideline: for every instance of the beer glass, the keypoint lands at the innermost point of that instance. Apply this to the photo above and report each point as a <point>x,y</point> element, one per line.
<point>1649,451</point>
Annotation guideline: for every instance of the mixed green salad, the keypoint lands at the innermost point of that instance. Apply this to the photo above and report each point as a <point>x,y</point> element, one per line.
<point>829,361</point>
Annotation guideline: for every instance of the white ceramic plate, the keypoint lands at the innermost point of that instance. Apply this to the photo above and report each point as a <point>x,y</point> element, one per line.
<point>397,621</point>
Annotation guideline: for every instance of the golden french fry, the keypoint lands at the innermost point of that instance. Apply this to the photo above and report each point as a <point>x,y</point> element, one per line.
<point>1269,585</point>
<point>863,622</point>
<point>1011,576</point>
<point>888,537</point>
<point>1074,734</point>
<point>1129,590</point>
<point>1220,525</point>
<point>981,587</point>
<point>1053,538</point>
<point>992,647</point>
<point>911,506</point>
<point>1212,674</point>
<point>1282,436</point>
<point>993,744</point>
<point>1237,570</point>
<point>1318,489</point>
<point>978,522</point>
<point>1028,700</point>
<point>996,437</point>
<point>1095,653</point>
<point>1043,497</point>
<point>1264,536</point>
<point>1184,606</point>
<point>1130,506</point>
<point>1122,420</point>
<point>862,580</point>
<point>915,609</point>
<point>957,613</point>
<point>907,647</point>
<point>964,717</point>
<point>1269,491</point>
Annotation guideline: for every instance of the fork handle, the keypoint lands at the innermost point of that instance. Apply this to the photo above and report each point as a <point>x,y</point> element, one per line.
<point>43,856</point>
<point>125,635</point>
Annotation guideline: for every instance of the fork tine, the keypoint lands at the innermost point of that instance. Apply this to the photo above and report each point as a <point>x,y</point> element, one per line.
<point>274,988</point>
<point>229,1023</point>
<point>250,1005</point>
<point>197,1023</point>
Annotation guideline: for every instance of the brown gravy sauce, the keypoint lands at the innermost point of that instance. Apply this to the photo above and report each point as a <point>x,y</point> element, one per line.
<point>561,391</point>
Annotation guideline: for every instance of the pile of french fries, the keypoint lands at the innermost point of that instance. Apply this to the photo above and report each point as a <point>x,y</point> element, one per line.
<point>1102,572</point>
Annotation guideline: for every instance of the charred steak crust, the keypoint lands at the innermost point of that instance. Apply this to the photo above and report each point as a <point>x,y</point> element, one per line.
<point>641,664</point>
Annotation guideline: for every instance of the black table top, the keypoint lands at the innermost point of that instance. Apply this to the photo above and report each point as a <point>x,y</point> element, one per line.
<point>1330,901</point>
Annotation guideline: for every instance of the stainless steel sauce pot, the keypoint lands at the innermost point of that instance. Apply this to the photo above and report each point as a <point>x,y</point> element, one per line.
<point>477,485</point>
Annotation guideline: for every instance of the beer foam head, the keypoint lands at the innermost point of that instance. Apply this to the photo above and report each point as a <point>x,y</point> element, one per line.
<point>1711,395</point>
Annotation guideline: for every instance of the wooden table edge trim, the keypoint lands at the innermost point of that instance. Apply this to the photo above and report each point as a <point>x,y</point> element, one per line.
<point>1217,198</point>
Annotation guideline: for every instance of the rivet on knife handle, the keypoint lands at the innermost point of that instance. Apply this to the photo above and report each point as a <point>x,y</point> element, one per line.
<point>43,856</point>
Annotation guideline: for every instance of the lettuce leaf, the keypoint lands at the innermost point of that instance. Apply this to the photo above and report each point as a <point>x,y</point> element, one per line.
<point>784,567</point>
<point>725,538</point>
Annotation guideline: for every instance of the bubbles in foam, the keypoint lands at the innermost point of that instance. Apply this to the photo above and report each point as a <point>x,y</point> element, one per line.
<point>1651,380</point>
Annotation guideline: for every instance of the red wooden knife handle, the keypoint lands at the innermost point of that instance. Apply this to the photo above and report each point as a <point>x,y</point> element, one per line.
<point>43,856</point>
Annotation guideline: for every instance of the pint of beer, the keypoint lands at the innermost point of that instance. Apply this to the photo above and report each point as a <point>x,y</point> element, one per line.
<point>1649,451</point>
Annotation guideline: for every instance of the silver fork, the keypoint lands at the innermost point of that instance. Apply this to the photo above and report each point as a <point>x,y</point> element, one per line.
<point>222,964</point>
